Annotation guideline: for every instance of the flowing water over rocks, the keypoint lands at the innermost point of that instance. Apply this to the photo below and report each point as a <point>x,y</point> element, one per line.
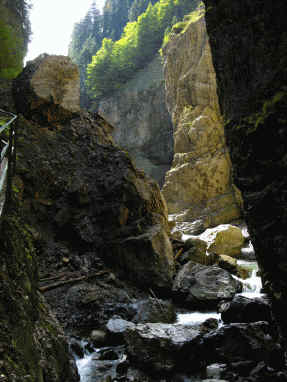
<point>184,351</point>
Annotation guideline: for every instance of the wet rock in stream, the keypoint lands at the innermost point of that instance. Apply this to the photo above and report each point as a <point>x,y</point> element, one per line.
<point>238,342</point>
<point>244,309</point>
<point>154,310</point>
<point>198,286</point>
<point>160,348</point>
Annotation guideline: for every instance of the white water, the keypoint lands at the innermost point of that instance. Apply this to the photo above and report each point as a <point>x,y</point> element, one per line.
<point>253,285</point>
<point>195,318</point>
<point>84,367</point>
<point>251,288</point>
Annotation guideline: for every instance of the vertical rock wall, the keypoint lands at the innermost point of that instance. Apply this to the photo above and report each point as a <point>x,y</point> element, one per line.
<point>249,48</point>
<point>199,184</point>
<point>142,123</point>
<point>32,345</point>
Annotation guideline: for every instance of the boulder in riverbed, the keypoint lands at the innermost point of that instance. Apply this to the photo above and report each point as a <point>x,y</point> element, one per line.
<point>243,309</point>
<point>243,342</point>
<point>198,286</point>
<point>230,264</point>
<point>154,310</point>
<point>225,239</point>
<point>160,347</point>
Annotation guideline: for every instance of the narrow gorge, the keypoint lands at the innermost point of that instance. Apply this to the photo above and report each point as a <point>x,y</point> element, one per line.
<point>146,242</point>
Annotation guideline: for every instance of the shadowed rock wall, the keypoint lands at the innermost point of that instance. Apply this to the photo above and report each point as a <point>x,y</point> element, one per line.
<point>249,50</point>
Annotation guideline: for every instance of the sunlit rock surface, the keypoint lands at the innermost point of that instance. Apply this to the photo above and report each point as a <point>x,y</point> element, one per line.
<point>199,184</point>
<point>48,89</point>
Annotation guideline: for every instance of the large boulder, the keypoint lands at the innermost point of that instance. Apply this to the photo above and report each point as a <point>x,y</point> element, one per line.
<point>195,250</point>
<point>84,200</point>
<point>48,89</point>
<point>199,185</point>
<point>93,195</point>
<point>243,342</point>
<point>244,309</point>
<point>160,347</point>
<point>198,286</point>
<point>225,239</point>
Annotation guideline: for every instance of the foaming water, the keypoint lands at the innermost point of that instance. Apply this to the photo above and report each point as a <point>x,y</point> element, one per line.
<point>195,318</point>
<point>84,367</point>
<point>251,286</point>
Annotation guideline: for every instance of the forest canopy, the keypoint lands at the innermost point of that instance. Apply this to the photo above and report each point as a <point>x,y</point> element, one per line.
<point>110,47</point>
<point>116,61</point>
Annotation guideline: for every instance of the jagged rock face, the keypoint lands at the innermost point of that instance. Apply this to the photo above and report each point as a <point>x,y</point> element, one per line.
<point>32,345</point>
<point>248,41</point>
<point>85,200</point>
<point>199,185</point>
<point>142,123</point>
<point>48,89</point>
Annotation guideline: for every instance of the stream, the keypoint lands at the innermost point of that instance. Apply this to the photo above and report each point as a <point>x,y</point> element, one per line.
<point>101,364</point>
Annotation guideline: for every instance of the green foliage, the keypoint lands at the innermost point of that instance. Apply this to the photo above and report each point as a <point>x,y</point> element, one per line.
<point>138,7</point>
<point>10,52</point>
<point>181,26</point>
<point>115,17</point>
<point>14,36</point>
<point>116,62</point>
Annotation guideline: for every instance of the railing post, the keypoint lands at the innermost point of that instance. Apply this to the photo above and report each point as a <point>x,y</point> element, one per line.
<point>9,172</point>
<point>9,151</point>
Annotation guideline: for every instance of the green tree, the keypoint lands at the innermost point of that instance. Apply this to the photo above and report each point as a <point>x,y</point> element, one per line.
<point>14,36</point>
<point>138,7</point>
<point>115,17</point>
<point>117,61</point>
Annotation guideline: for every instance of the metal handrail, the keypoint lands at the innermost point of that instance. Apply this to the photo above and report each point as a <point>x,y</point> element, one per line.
<point>2,128</point>
<point>8,153</point>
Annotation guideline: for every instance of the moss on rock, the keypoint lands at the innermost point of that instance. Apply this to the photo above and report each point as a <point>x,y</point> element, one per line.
<point>32,345</point>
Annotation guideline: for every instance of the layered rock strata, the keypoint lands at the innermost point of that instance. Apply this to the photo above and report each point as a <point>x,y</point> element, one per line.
<point>248,41</point>
<point>142,123</point>
<point>199,184</point>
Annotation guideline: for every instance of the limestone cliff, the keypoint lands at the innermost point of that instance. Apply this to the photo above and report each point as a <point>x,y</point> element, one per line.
<point>248,41</point>
<point>199,184</point>
<point>141,120</point>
